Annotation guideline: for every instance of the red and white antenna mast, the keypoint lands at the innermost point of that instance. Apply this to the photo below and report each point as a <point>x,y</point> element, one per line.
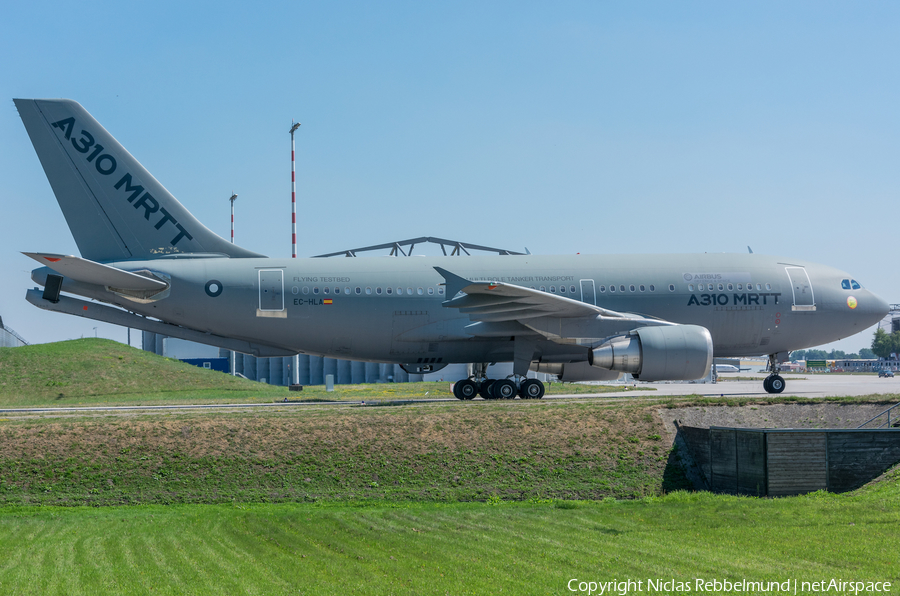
<point>294,127</point>
<point>233,197</point>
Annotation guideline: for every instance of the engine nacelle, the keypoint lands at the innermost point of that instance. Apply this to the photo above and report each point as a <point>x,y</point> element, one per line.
<point>663,353</point>
<point>575,371</point>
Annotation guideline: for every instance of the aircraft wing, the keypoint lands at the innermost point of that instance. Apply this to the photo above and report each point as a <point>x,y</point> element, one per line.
<point>502,309</point>
<point>91,272</point>
<point>497,301</point>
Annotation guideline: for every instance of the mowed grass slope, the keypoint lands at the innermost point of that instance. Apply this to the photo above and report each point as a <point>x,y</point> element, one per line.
<point>475,548</point>
<point>460,452</point>
<point>90,371</point>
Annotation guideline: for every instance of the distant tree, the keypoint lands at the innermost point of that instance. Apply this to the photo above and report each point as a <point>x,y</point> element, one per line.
<point>867,354</point>
<point>798,355</point>
<point>816,355</point>
<point>883,345</point>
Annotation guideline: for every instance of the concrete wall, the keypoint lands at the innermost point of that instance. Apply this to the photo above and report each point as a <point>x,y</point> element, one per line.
<point>777,463</point>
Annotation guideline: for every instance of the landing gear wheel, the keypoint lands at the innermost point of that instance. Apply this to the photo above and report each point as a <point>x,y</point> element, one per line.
<point>503,389</point>
<point>465,389</point>
<point>776,384</point>
<point>531,389</point>
<point>485,390</point>
<point>766,385</point>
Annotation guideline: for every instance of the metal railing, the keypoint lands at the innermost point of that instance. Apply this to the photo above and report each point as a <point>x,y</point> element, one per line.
<point>888,423</point>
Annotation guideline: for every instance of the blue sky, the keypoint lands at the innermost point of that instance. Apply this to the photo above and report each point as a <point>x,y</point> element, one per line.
<point>593,127</point>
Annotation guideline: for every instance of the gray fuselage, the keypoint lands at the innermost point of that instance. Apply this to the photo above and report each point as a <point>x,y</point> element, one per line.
<point>390,309</point>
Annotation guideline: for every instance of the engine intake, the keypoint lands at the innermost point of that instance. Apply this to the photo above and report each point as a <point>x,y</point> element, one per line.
<point>664,353</point>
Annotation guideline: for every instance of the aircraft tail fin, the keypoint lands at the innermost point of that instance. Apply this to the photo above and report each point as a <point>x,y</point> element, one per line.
<point>115,208</point>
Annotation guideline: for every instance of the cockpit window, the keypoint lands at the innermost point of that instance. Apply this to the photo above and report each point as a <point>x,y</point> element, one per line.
<point>854,284</point>
<point>845,284</point>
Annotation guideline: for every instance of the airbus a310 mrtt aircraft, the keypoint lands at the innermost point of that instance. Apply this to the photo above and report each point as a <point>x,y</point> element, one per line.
<point>658,317</point>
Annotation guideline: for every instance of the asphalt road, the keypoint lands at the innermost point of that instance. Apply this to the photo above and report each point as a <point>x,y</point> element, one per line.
<point>809,386</point>
<point>800,385</point>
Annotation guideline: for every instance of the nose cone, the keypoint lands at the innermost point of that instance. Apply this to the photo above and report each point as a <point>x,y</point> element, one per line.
<point>873,307</point>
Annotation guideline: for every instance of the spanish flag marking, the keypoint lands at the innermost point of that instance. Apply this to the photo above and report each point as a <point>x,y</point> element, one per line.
<point>327,301</point>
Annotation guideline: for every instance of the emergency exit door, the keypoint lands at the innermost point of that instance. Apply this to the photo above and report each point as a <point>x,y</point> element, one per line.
<point>804,299</point>
<point>271,290</point>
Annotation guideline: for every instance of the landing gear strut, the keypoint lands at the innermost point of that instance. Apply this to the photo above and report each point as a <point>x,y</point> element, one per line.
<point>479,384</point>
<point>774,383</point>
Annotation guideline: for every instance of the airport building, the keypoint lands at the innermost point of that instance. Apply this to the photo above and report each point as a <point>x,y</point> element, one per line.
<point>9,338</point>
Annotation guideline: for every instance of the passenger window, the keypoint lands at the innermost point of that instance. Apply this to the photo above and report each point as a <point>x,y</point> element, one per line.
<point>631,287</point>
<point>543,289</point>
<point>347,290</point>
<point>358,290</point>
<point>845,284</point>
<point>602,289</point>
<point>612,288</point>
<point>441,291</point>
<point>730,287</point>
<point>400,291</point>
<point>562,289</point>
<point>325,289</point>
<point>758,287</point>
<point>430,291</point>
<point>552,289</point>
<point>337,290</point>
<point>690,287</point>
<point>740,287</point>
<point>768,286</point>
<point>855,284</point>
<point>700,287</point>
<point>642,288</point>
<point>622,288</point>
<point>420,291</point>
<point>316,290</point>
<point>306,289</point>
<point>572,289</point>
<point>652,288</point>
<point>721,287</point>
<point>369,291</point>
<point>672,288</point>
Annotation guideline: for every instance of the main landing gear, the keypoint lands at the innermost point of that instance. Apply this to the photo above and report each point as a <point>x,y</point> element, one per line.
<point>479,385</point>
<point>774,383</point>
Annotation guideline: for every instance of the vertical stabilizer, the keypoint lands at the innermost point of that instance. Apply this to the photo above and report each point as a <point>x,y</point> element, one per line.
<point>115,208</point>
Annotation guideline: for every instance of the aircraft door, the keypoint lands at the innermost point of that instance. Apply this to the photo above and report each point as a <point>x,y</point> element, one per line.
<point>271,290</point>
<point>802,290</point>
<point>587,291</point>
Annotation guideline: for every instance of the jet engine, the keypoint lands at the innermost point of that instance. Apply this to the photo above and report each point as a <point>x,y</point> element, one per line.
<point>664,353</point>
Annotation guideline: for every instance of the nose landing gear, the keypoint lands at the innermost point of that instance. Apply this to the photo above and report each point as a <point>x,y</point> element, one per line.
<point>774,383</point>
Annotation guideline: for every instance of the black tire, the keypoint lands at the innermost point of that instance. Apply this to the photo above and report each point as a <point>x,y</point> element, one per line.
<point>504,389</point>
<point>766,385</point>
<point>776,384</point>
<point>485,390</point>
<point>531,389</point>
<point>465,389</point>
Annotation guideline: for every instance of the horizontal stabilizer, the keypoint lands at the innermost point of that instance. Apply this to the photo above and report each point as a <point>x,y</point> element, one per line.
<point>83,270</point>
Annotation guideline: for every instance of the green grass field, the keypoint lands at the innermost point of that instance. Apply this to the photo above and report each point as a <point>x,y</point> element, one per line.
<point>474,548</point>
<point>90,372</point>
<point>474,498</point>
